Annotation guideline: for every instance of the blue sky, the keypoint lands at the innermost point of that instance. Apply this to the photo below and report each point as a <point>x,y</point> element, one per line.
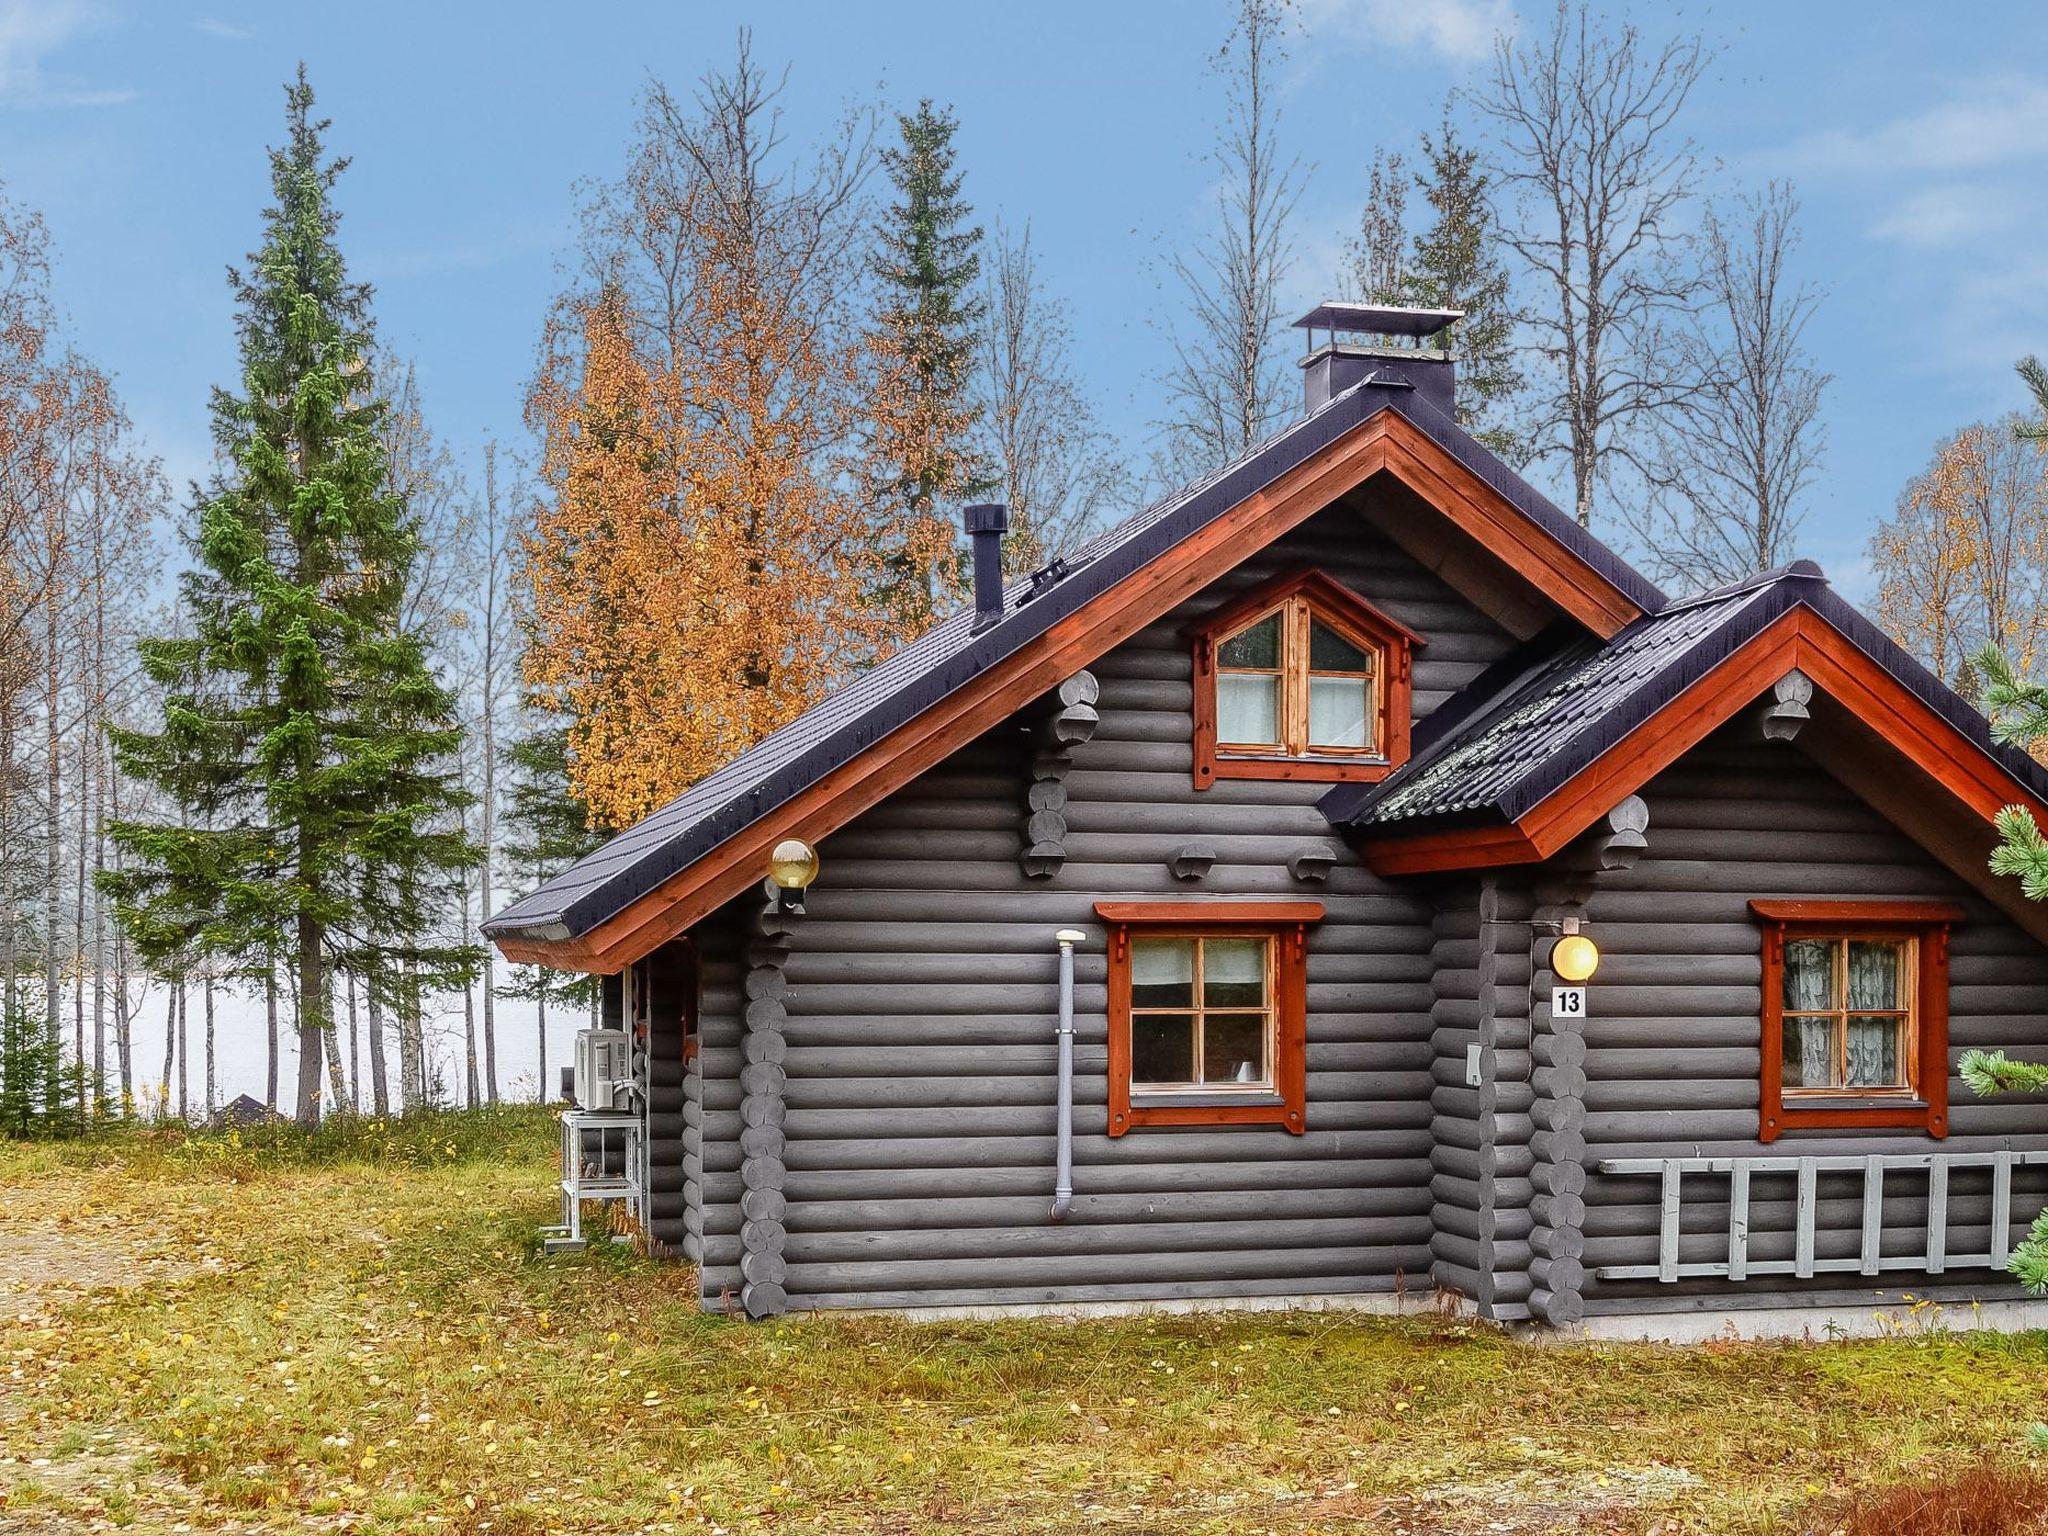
<point>1917,143</point>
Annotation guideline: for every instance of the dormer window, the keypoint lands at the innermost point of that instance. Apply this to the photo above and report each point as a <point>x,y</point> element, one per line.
<point>1301,679</point>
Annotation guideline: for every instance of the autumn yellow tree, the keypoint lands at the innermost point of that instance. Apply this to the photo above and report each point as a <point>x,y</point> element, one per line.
<point>1963,563</point>
<point>701,562</point>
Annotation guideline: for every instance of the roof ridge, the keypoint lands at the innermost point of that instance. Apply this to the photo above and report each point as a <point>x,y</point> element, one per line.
<point>1791,570</point>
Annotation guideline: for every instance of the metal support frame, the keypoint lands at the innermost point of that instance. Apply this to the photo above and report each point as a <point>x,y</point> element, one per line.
<point>1934,1257</point>
<point>584,1176</point>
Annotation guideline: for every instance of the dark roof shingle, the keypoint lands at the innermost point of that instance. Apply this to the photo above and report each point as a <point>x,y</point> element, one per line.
<point>1510,741</point>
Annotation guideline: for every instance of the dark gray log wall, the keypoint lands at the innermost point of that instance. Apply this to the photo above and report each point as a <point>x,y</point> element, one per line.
<point>667,973</point>
<point>1674,1033</point>
<point>1480,1162</point>
<point>922,993</point>
<point>711,1111</point>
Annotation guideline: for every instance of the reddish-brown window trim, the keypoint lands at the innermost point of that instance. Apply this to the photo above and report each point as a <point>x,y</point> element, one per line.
<point>1285,924</point>
<point>1348,613</point>
<point>1929,923</point>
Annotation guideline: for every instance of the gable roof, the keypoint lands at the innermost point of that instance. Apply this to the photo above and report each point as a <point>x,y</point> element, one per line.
<point>1322,454</point>
<point>1507,773</point>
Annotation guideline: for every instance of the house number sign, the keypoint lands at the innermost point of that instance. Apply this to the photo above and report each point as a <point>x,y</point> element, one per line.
<point>1567,1002</point>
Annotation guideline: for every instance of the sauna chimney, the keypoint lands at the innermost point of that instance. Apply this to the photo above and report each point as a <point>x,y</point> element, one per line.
<point>1391,346</point>
<point>987,522</point>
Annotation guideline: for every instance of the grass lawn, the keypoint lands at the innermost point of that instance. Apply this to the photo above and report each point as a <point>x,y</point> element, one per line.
<point>203,1334</point>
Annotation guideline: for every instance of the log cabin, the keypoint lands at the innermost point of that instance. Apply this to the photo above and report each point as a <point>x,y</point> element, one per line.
<point>1346,882</point>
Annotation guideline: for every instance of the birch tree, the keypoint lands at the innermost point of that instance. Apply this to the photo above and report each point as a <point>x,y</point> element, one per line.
<point>1735,456</point>
<point>701,568</point>
<point>1051,461</point>
<point>1598,173</point>
<point>1229,384</point>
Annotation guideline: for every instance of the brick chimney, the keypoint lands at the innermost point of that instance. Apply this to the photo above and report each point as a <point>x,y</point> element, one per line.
<point>1401,348</point>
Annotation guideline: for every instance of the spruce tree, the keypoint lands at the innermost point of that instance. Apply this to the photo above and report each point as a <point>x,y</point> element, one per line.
<point>303,734</point>
<point>1454,263</point>
<point>1457,265</point>
<point>922,453</point>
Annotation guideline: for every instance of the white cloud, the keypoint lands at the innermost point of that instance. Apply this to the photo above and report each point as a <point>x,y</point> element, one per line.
<point>213,26</point>
<point>31,31</point>
<point>1461,31</point>
<point>1946,214</point>
<point>1992,123</point>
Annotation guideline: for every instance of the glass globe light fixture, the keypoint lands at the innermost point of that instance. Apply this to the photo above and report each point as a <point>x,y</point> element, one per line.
<point>1575,958</point>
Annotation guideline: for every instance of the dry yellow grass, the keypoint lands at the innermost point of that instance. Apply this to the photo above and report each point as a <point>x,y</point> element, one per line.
<point>359,1337</point>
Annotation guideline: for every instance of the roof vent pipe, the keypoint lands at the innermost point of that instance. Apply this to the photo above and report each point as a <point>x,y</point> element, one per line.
<point>987,522</point>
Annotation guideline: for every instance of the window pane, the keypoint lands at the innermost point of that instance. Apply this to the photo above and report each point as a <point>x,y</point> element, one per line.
<point>1809,976</point>
<point>1336,711</point>
<point>1234,973</point>
<point>1163,973</point>
<point>1329,651</point>
<point>1874,974</point>
<point>1234,1048</point>
<point>1875,1060</point>
<point>1258,646</point>
<point>1162,1048</point>
<point>1809,1053</point>
<point>1248,708</point>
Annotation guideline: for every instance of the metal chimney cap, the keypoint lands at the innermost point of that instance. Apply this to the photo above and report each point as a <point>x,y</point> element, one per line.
<point>987,517</point>
<point>1377,319</point>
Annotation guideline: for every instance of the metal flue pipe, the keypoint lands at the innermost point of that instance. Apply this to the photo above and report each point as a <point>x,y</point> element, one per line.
<point>1063,1177</point>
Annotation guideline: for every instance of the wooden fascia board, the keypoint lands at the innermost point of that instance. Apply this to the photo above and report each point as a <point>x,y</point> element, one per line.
<point>1073,642</point>
<point>1798,638</point>
<point>1431,853</point>
<point>1495,522</point>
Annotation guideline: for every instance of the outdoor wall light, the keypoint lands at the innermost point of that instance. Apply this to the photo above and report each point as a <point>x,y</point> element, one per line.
<point>793,866</point>
<point>1575,958</point>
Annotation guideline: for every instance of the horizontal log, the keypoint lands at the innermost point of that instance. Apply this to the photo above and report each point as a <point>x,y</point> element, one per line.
<point>1280,1242</point>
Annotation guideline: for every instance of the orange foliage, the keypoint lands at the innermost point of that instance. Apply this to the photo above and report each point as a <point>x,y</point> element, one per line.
<point>1964,561</point>
<point>699,568</point>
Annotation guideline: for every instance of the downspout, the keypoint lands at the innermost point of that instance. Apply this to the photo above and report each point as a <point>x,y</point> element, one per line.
<point>1063,1179</point>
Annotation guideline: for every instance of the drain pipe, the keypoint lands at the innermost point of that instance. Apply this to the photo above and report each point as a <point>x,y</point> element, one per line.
<point>1063,1180</point>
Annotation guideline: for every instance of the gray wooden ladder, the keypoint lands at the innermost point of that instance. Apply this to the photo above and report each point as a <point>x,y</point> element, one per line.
<point>1934,1259</point>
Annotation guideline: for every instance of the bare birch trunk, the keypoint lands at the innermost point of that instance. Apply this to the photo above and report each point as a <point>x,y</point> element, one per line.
<point>540,1093</point>
<point>124,1017</point>
<point>270,1022</point>
<point>337,1086</point>
<point>170,1048</point>
<point>212,1080</point>
<point>355,1053</point>
<point>412,1055</point>
<point>184,1056</point>
<point>380,1086</point>
<point>86,730</point>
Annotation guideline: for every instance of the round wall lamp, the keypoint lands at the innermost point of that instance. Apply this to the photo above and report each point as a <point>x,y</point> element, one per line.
<point>793,866</point>
<point>1575,958</point>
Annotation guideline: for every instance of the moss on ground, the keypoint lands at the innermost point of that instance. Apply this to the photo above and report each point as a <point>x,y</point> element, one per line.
<point>354,1333</point>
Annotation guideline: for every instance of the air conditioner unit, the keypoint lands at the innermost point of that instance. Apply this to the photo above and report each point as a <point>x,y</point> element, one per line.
<point>604,1069</point>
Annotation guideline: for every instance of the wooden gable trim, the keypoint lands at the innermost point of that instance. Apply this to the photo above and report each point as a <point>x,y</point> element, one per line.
<point>1322,590</point>
<point>1497,523</point>
<point>1384,442</point>
<point>1799,638</point>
